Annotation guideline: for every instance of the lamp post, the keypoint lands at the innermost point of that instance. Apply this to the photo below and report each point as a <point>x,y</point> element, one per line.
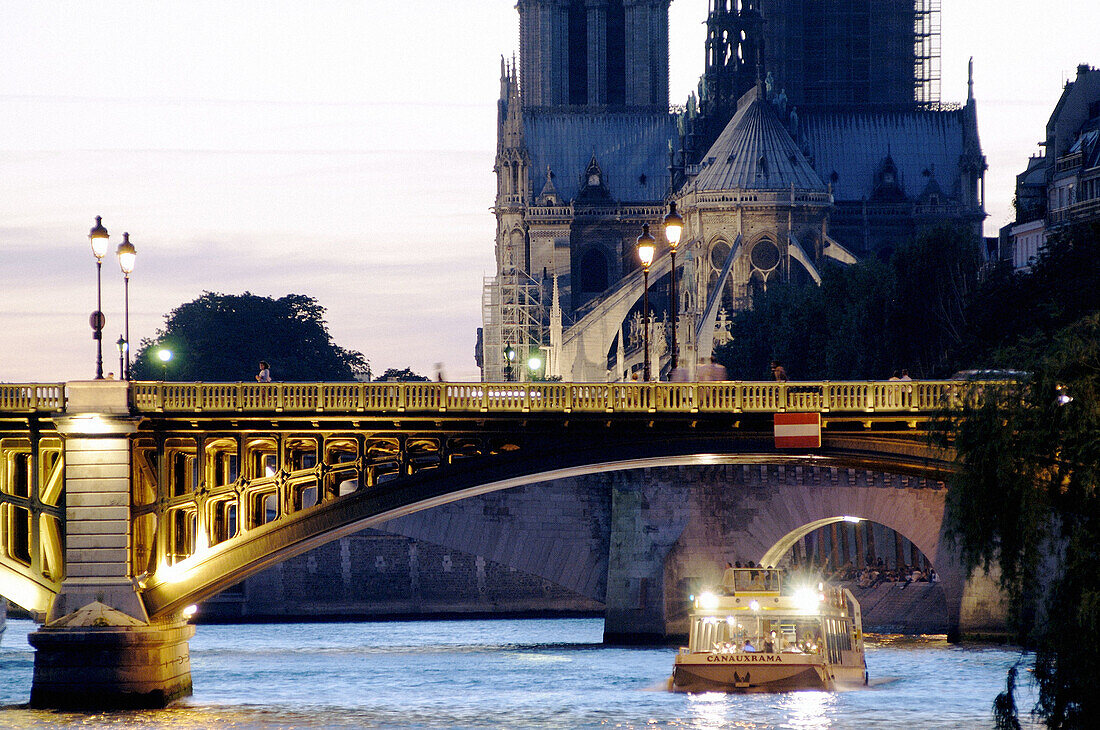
<point>98,237</point>
<point>509,359</point>
<point>127,256</point>
<point>164,355</point>
<point>674,226</point>
<point>646,247</point>
<point>123,350</point>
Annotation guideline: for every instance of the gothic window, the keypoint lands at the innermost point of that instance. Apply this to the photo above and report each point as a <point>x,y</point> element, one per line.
<point>718,254</point>
<point>593,271</point>
<point>765,255</point>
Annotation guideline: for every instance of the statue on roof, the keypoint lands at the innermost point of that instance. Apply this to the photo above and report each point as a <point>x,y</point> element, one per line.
<point>769,85</point>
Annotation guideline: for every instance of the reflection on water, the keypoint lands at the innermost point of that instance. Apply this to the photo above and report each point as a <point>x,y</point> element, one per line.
<point>809,710</point>
<point>523,674</point>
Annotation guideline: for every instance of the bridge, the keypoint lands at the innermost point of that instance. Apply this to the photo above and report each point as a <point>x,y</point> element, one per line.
<point>122,504</point>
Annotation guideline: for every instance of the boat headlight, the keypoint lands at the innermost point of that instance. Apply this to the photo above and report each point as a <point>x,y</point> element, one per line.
<point>806,599</point>
<point>708,601</point>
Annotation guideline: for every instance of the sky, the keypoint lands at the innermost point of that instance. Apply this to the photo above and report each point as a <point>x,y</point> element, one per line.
<point>341,149</point>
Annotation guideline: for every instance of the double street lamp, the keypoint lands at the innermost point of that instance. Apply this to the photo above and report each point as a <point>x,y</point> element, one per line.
<point>674,226</point>
<point>127,256</point>
<point>646,248</point>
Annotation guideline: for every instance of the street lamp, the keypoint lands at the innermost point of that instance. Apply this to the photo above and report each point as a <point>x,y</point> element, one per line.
<point>674,226</point>
<point>164,354</point>
<point>646,247</point>
<point>509,358</point>
<point>123,352</point>
<point>127,256</point>
<point>534,364</point>
<point>98,237</point>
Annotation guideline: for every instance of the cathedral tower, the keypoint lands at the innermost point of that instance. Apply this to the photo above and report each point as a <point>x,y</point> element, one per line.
<point>596,53</point>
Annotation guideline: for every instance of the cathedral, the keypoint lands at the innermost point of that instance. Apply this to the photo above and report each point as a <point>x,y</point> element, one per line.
<point>816,135</point>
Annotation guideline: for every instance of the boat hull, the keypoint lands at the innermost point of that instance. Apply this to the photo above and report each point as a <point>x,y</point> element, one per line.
<point>762,673</point>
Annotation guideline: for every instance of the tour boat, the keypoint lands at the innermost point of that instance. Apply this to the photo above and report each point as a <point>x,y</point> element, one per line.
<point>757,635</point>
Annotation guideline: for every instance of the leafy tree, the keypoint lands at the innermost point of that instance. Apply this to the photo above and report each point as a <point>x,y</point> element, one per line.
<point>222,337</point>
<point>405,375</point>
<point>1027,498</point>
<point>1027,495</point>
<point>864,320</point>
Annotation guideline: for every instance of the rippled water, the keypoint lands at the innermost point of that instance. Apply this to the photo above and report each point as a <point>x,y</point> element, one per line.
<point>512,674</point>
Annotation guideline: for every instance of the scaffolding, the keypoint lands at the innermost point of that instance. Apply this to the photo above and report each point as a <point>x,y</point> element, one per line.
<point>512,314</point>
<point>926,36</point>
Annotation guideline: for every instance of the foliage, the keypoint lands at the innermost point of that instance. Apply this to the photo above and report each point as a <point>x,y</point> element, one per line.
<point>865,320</point>
<point>1005,716</point>
<point>222,338</point>
<point>1026,496</point>
<point>405,375</point>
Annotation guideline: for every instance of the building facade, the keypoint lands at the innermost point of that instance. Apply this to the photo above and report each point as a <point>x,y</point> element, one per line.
<point>778,163</point>
<point>1062,185</point>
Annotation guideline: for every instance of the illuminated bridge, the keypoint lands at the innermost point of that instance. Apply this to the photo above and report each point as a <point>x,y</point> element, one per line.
<point>150,497</point>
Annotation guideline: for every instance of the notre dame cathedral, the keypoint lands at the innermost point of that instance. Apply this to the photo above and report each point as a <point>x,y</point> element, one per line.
<point>816,134</point>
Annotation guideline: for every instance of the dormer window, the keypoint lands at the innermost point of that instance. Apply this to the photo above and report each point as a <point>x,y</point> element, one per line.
<point>593,179</point>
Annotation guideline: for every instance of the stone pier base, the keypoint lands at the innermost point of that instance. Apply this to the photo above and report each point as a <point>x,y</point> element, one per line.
<point>111,666</point>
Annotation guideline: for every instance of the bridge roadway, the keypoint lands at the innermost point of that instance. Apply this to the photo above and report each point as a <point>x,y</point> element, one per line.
<point>150,497</point>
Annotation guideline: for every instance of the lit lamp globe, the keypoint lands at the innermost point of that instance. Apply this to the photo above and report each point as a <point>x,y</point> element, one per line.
<point>99,238</point>
<point>646,247</point>
<point>534,364</point>
<point>127,255</point>
<point>674,226</point>
<point>164,355</point>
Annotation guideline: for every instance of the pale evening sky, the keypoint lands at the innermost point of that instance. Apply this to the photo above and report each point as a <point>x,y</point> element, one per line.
<point>336,148</point>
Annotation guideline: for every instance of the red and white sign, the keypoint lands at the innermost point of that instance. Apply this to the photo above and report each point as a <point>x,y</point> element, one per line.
<point>798,430</point>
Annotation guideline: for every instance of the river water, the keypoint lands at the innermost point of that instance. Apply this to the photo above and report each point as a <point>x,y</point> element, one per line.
<point>550,673</point>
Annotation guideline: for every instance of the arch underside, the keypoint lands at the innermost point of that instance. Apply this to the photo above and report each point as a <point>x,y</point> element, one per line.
<point>212,570</point>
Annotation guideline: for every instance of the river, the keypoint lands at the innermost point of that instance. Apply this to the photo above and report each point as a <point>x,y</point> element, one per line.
<point>532,673</point>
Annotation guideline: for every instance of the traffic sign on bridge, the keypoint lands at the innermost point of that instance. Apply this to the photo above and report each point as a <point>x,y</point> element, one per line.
<point>798,430</point>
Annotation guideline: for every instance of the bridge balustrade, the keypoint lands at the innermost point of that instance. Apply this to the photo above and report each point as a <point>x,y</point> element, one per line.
<point>731,396</point>
<point>33,397</point>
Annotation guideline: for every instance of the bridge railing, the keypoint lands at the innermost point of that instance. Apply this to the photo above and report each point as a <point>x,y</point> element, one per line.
<point>733,396</point>
<point>32,397</point>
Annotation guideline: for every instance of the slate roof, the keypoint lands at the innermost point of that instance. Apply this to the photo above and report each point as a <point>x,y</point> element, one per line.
<point>755,152</point>
<point>626,146</point>
<point>854,144</point>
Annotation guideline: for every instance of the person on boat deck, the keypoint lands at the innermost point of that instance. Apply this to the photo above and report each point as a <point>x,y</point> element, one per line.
<point>747,646</point>
<point>728,579</point>
<point>769,643</point>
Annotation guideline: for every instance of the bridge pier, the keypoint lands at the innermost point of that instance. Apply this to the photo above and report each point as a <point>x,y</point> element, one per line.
<point>98,648</point>
<point>646,523</point>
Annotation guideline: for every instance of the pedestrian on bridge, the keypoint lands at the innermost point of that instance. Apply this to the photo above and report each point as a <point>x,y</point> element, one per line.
<point>779,372</point>
<point>264,376</point>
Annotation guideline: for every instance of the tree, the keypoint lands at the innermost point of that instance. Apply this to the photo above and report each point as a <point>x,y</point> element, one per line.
<point>1026,497</point>
<point>405,375</point>
<point>222,338</point>
<point>864,320</point>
